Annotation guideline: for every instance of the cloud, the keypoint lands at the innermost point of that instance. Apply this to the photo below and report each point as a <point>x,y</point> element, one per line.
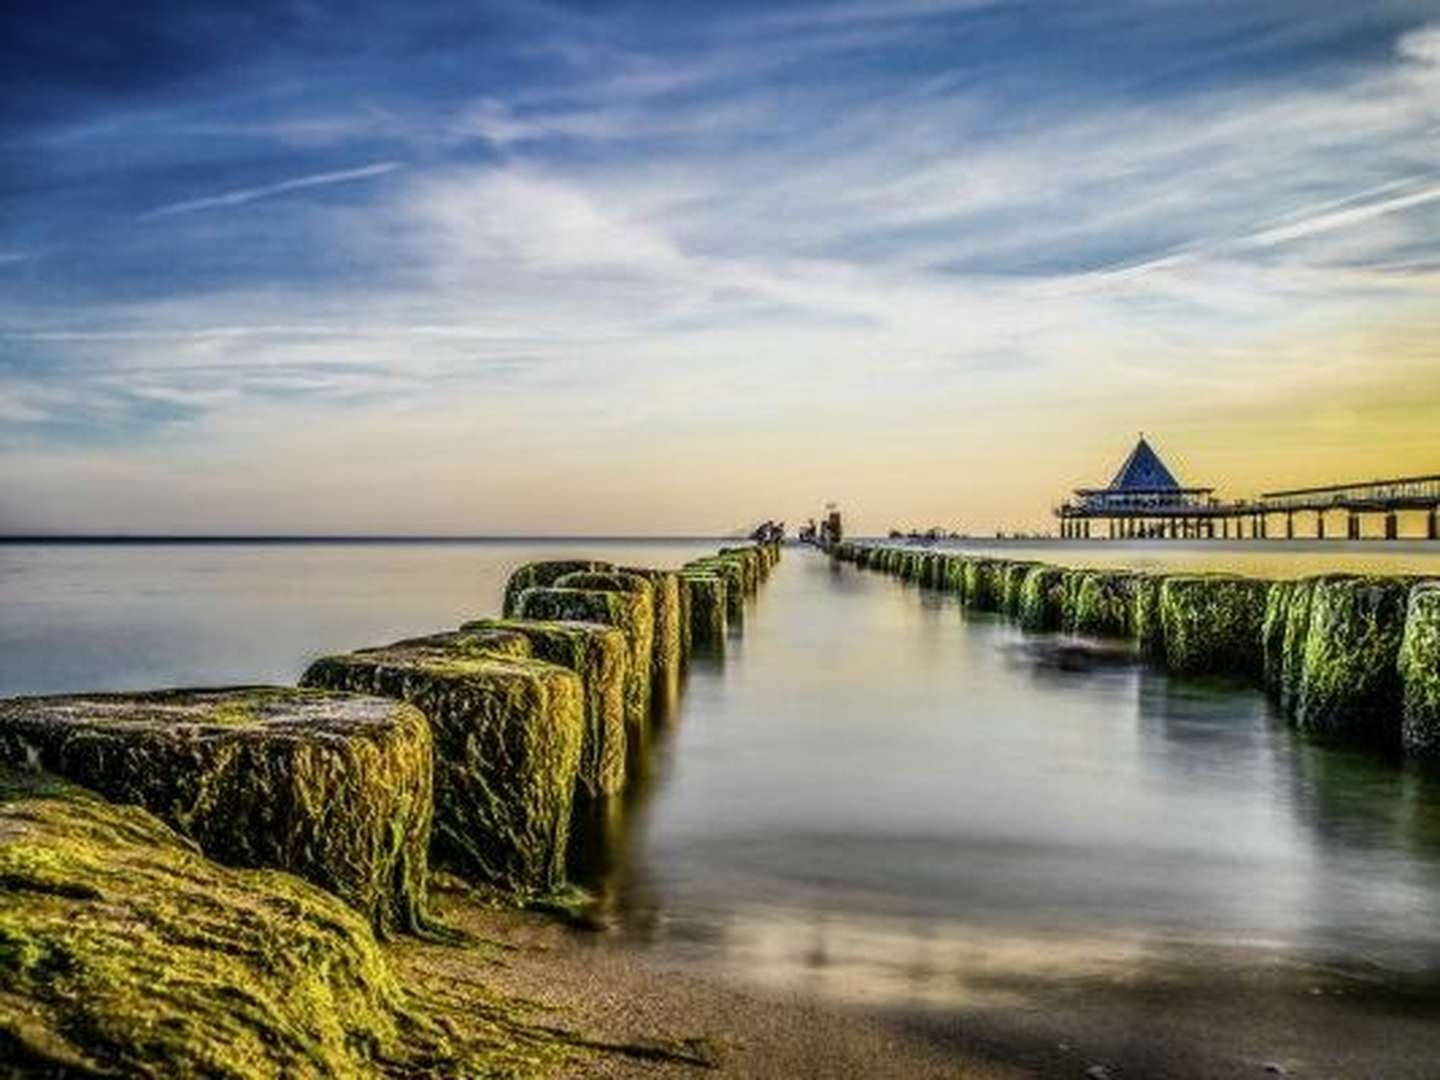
<point>267,191</point>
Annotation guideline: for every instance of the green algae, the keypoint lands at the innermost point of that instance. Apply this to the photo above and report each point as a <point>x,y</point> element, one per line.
<point>705,600</point>
<point>334,788</point>
<point>1212,624</point>
<point>631,614</point>
<point>984,584</point>
<point>1272,634</point>
<point>1419,669</point>
<point>507,733</point>
<point>733,573</point>
<point>544,573</point>
<point>1012,588</point>
<point>669,655</point>
<point>647,645</point>
<point>1042,599</point>
<point>1349,679</point>
<point>1103,604</point>
<point>599,655</point>
<point>125,952</point>
<point>1298,600</point>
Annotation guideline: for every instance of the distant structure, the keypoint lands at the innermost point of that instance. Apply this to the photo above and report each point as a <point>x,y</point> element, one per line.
<point>769,532</point>
<point>1143,496</point>
<point>1146,501</point>
<point>828,533</point>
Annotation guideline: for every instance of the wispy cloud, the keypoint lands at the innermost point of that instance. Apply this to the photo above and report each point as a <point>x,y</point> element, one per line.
<point>267,191</point>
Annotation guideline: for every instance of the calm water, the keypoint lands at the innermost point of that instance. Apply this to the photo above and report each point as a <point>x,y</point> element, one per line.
<point>878,797</point>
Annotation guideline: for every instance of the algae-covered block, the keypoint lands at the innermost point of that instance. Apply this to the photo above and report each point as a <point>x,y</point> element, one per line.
<point>631,614</point>
<point>335,788</point>
<point>1104,604</point>
<point>749,569</point>
<point>669,655</point>
<point>984,584</point>
<point>759,564</point>
<point>1292,643</point>
<point>1146,625</point>
<point>1012,587</point>
<point>952,575</point>
<point>508,734</point>
<point>599,654</point>
<point>733,572</point>
<point>707,604</point>
<point>1277,613</point>
<point>1350,680</point>
<point>657,651</point>
<point>1042,599</point>
<point>1419,667</point>
<point>537,574</point>
<point>126,952</point>
<point>1213,624</point>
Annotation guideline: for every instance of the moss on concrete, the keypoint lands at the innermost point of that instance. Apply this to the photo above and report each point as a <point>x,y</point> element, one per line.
<point>707,605</point>
<point>599,654</point>
<point>733,573</point>
<point>1419,669</point>
<point>332,787</point>
<point>1212,623</point>
<point>1012,589</point>
<point>628,612</point>
<point>508,734</point>
<point>1146,625</point>
<point>1349,679</point>
<point>669,655</point>
<point>125,952</point>
<point>758,563</point>
<point>536,574</point>
<point>1104,604</point>
<point>1042,599</point>
<point>1272,632</point>
<point>647,644</point>
<point>1292,643</point>
<point>984,584</point>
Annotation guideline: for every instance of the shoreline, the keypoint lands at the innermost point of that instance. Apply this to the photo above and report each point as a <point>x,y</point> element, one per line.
<point>1202,1013</point>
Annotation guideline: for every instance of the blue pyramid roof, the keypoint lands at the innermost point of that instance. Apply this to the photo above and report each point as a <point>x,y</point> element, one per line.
<point>1144,471</point>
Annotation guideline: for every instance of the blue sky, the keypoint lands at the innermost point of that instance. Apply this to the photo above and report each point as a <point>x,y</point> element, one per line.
<point>671,267</point>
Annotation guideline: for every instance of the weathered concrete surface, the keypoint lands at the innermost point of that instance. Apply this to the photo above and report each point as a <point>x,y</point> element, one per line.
<point>125,952</point>
<point>1349,678</point>
<point>669,655</point>
<point>707,605</point>
<point>631,614</point>
<point>1212,623</point>
<point>1103,605</point>
<point>1042,599</point>
<point>1419,668</point>
<point>545,573</point>
<point>599,654</point>
<point>335,788</point>
<point>507,733</point>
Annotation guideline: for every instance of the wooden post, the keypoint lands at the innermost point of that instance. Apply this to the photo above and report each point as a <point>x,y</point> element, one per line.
<point>1319,524</point>
<point>1262,527</point>
<point>1353,527</point>
<point>1432,528</point>
<point>1392,526</point>
<point>1289,525</point>
<point>1085,529</point>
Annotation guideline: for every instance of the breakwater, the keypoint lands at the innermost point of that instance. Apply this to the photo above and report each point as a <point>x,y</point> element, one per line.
<point>292,828</point>
<point>1345,655</point>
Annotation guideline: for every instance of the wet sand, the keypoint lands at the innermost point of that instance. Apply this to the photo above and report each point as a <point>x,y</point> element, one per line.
<point>1197,1016</point>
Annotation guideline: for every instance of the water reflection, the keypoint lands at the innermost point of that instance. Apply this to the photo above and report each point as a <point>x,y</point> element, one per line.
<point>884,799</point>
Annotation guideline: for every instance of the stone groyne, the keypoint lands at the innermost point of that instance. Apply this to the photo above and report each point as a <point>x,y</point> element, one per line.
<point>1345,655</point>
<point>198,882</point>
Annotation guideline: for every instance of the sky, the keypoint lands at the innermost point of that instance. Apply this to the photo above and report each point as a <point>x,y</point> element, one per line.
<point>677,267</point>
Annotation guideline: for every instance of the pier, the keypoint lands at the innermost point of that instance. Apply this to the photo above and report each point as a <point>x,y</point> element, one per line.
<point>1145,502</point>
